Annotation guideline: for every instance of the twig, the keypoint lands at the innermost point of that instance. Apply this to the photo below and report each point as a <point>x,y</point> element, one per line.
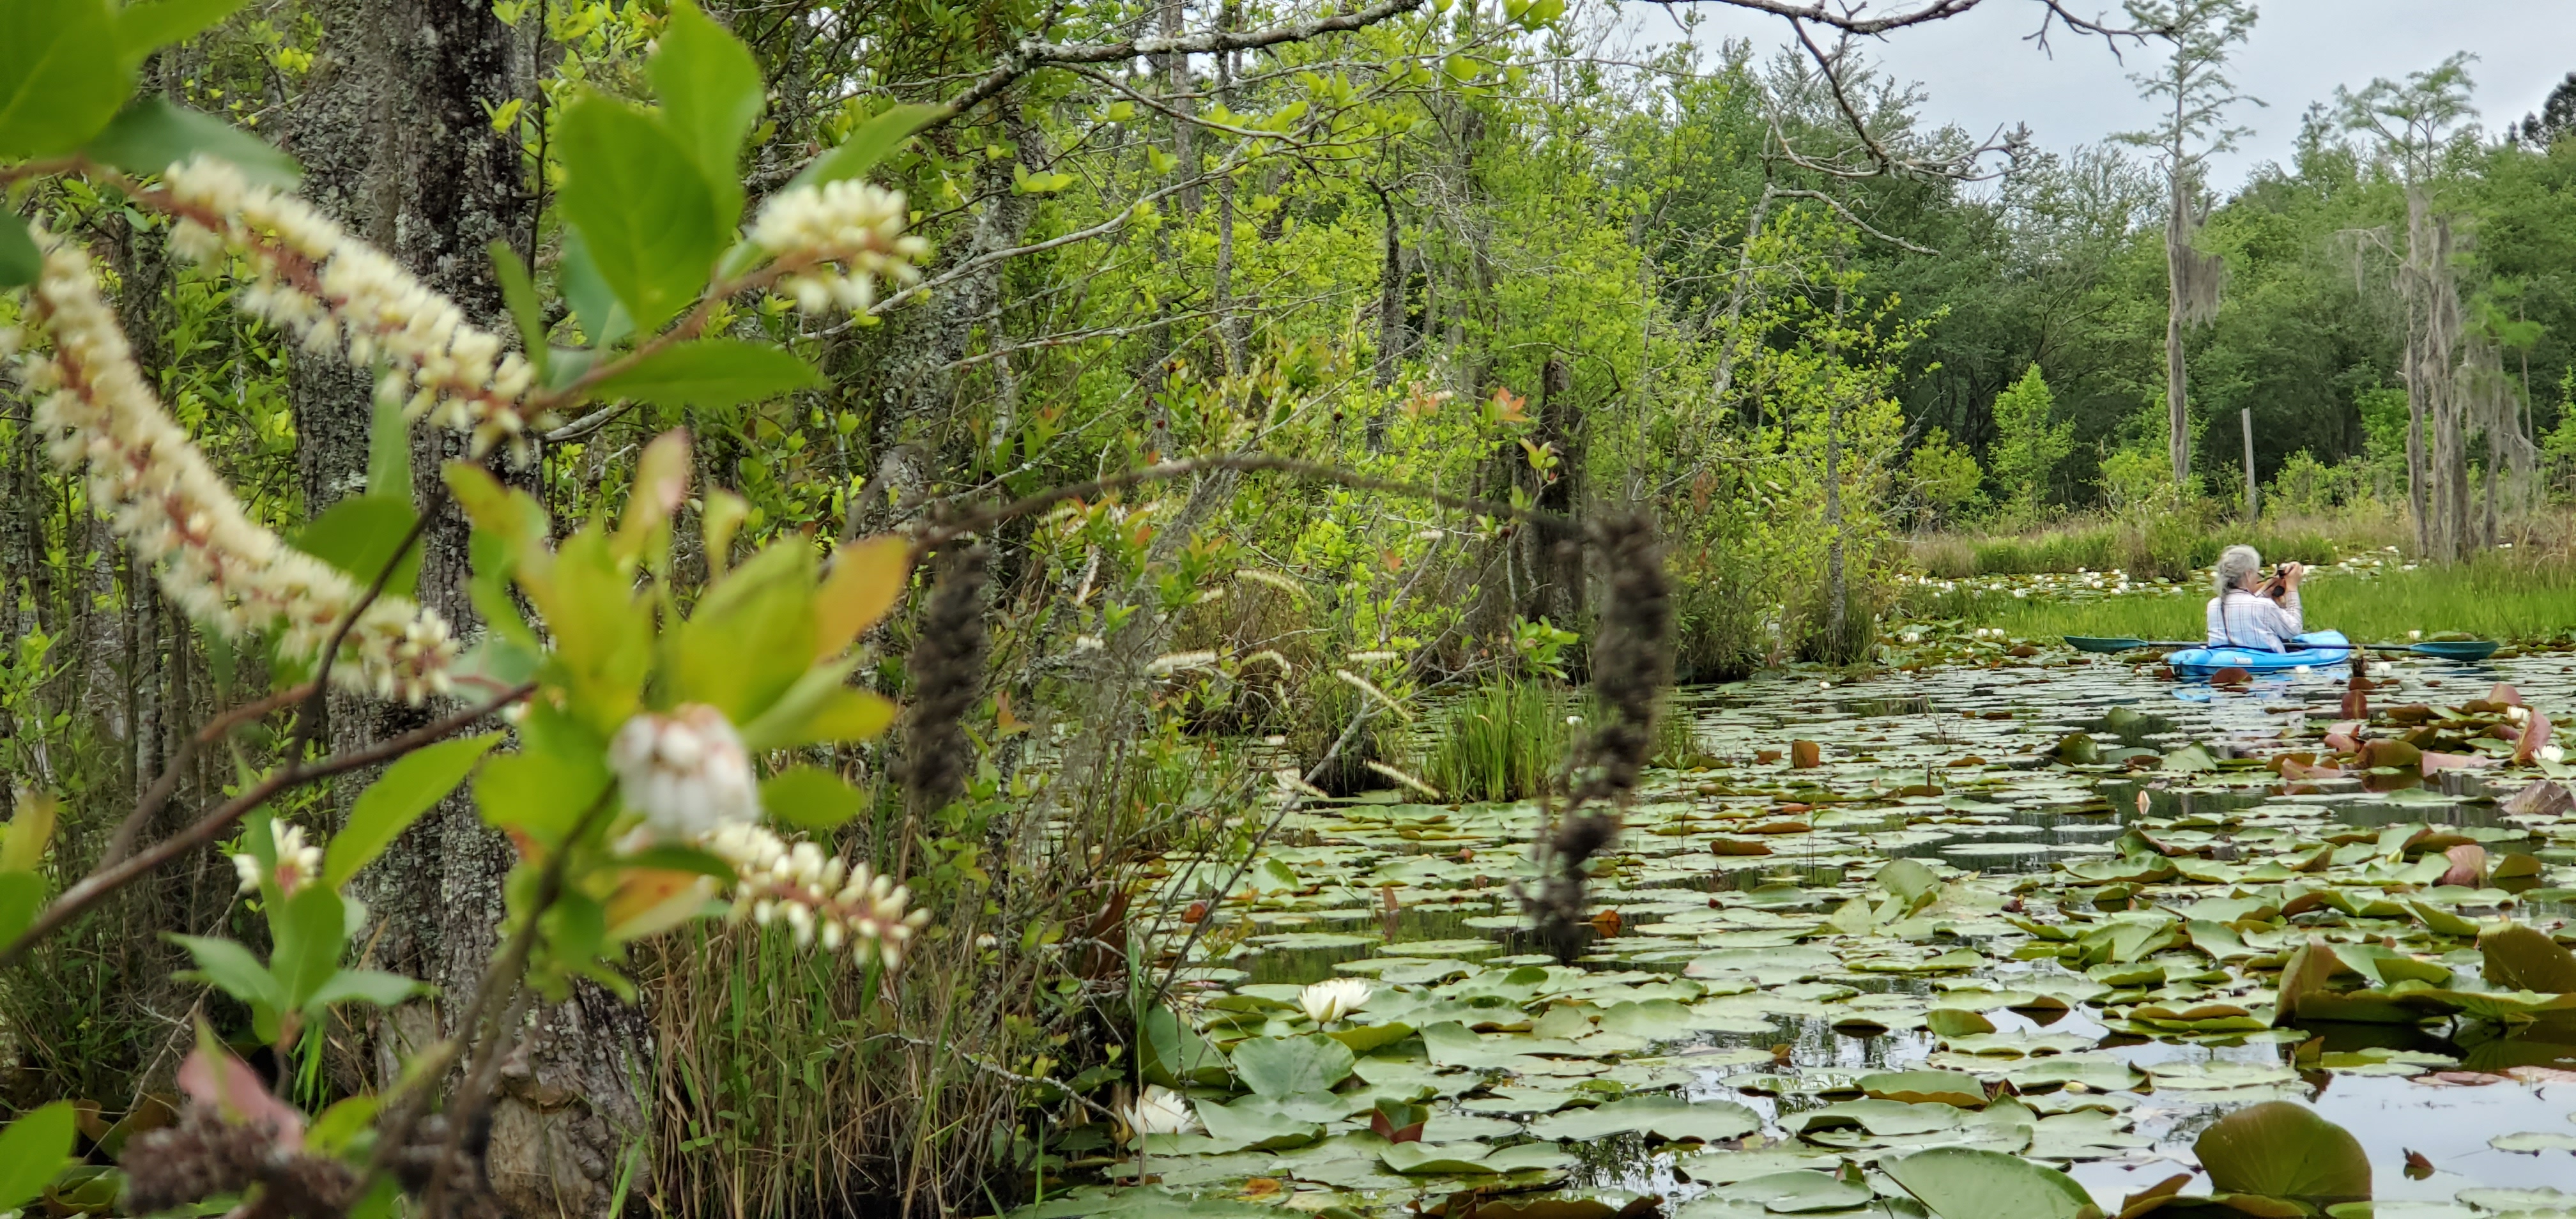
<point>106,880</point>
<point>168,782</point>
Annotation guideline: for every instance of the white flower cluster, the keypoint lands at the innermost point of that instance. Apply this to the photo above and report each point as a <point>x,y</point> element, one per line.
<point>339,293</point>
<point>162,497</point>
<point>298,864</point>
<point>822,898</point>
<point>839,238</point>
<point>686,772</point>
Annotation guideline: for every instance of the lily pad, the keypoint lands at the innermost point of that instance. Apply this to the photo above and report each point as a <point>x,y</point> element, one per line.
<point>2283,1150</point>
<point>1286,1066</point>
<point>1960,1183</point>
<point>1666,1117</point>
<point>1799,1192</point>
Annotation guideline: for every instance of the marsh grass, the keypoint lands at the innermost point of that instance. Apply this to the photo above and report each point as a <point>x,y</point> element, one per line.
<point>2495,597</point>
<point>1503,741</point>
<point>2171,545</point>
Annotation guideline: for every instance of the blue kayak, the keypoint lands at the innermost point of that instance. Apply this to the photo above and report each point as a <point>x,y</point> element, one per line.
<point>2199,663</point>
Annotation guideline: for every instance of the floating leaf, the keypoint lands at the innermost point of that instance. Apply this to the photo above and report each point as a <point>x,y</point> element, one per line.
<point>2279,1149</point>
<point>1963,1183</point>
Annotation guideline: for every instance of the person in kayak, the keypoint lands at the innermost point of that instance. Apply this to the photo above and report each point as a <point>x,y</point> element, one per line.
<point>2250,613</point>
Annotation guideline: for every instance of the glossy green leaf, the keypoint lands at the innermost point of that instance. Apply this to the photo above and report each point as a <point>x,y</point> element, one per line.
<point>20,261</point>
<point>711,373</point>
<point>33,1149</point>
<point>2523,958</point>
<point>711,95</point>
<point>408,789</point>
<point>810,798</point>
<point>232,969</point>
<point>542,795</point>
<point>1253,1123</point>
<point>347,1118</point>
<point>371,986</point>
<point>360,535</point>
<point>147,25</point>
<point>309,928</point>
<point>603,318</point>
<point>2280,1149</point>
<point>154,134</point>
<point>61,76</point>
<point>1962,1183</point>
<point>527,310</point>
<point>645,212</point>
<point>868,144</point>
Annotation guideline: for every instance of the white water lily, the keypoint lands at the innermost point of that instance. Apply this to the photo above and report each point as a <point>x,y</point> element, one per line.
<point>1161,1111</point>
<point>1333,999</point>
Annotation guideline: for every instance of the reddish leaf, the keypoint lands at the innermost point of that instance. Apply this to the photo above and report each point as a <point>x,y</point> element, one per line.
<point>2431,762</point>
<point>1805,755</point>
<point>213,1077</point>
<point>2468,865</point>
<point>2503,694</point>
<point>2231,676</point>
<point>2356,698</point>
<point>2417,1167</point>
<point>1607,923</point>
<point>2535,737</point>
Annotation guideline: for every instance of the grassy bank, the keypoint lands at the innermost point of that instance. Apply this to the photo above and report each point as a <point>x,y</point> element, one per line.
<point>2171,546</point>
<point>2497,597</point>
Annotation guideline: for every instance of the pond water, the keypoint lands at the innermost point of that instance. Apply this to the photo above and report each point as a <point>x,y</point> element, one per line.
<point>2078,961</point>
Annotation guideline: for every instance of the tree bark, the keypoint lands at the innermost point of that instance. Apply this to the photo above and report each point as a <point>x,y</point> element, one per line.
<point>395,134</point>
<point>2177,398</point>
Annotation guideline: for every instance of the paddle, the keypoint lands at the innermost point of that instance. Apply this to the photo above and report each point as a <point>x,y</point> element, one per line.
<point>2460,649</point>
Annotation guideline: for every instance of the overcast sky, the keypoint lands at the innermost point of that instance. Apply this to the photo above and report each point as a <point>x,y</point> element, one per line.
<point>1978,73</point>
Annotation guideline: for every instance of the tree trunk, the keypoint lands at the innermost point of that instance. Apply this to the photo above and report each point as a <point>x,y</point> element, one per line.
<point>2177,400</point>
<point>398,144</point>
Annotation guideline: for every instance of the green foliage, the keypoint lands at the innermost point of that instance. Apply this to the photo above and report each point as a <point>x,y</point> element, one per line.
<point>1943,478</point>
<point>1506,740</point>
<point>2029,443</point>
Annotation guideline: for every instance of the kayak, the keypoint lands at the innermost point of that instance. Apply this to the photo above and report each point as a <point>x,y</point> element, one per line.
<point>2197,663</point>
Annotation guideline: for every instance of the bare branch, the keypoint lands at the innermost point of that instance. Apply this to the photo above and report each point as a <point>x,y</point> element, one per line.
<point>1032,54</point>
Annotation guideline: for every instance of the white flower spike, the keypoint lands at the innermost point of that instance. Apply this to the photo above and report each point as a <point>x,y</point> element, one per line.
<point>160,495</point>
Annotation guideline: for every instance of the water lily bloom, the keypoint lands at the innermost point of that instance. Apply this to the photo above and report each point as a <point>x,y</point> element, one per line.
<point>1161,1111</point>
<point>1333,999</point>
<point>686,772</point>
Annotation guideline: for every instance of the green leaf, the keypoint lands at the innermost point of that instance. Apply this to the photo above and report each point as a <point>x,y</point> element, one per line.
<point>155,133</point>
<point>595,307</point>
<point>542,795</point>
<point>2282,1150</point>
<point>22,894</point>
<point>232,969</point>
<point>148,25</point>
<point>643,208</point>
<point>2522,958</point>
<point>810,798</point>
<point>1668,1117</point>
<point>1799,1191</point>
<point>1960,1183</point>
<point>1255,1124</point>
<point>713,373</point>
<point>344,1121</point>
<point>1283,1066</point>
<point>32,1150</point>
<point>373,986</point>
<point>20,260</point>
<point>711,96</point>
<point>360,534</point>
<point>310,928</point>
<point>868,145</point>
<point>61,78</point>
<point>408,789</point>
<point>389,453</point>
<point>527,310</point>
<point>1176,1056</point>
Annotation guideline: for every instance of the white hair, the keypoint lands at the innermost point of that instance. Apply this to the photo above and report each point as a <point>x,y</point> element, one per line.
<point>2234,564</point>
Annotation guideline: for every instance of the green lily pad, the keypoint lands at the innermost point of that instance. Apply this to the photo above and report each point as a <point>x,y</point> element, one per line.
<point>1799,1192</point>
<point>1919,1087</point>
<point>1285,1066</point>
<point>1256,1124</point>
<point>1666,1117</point>
<point>2283,1150</point>
<point>1961,1183</point>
